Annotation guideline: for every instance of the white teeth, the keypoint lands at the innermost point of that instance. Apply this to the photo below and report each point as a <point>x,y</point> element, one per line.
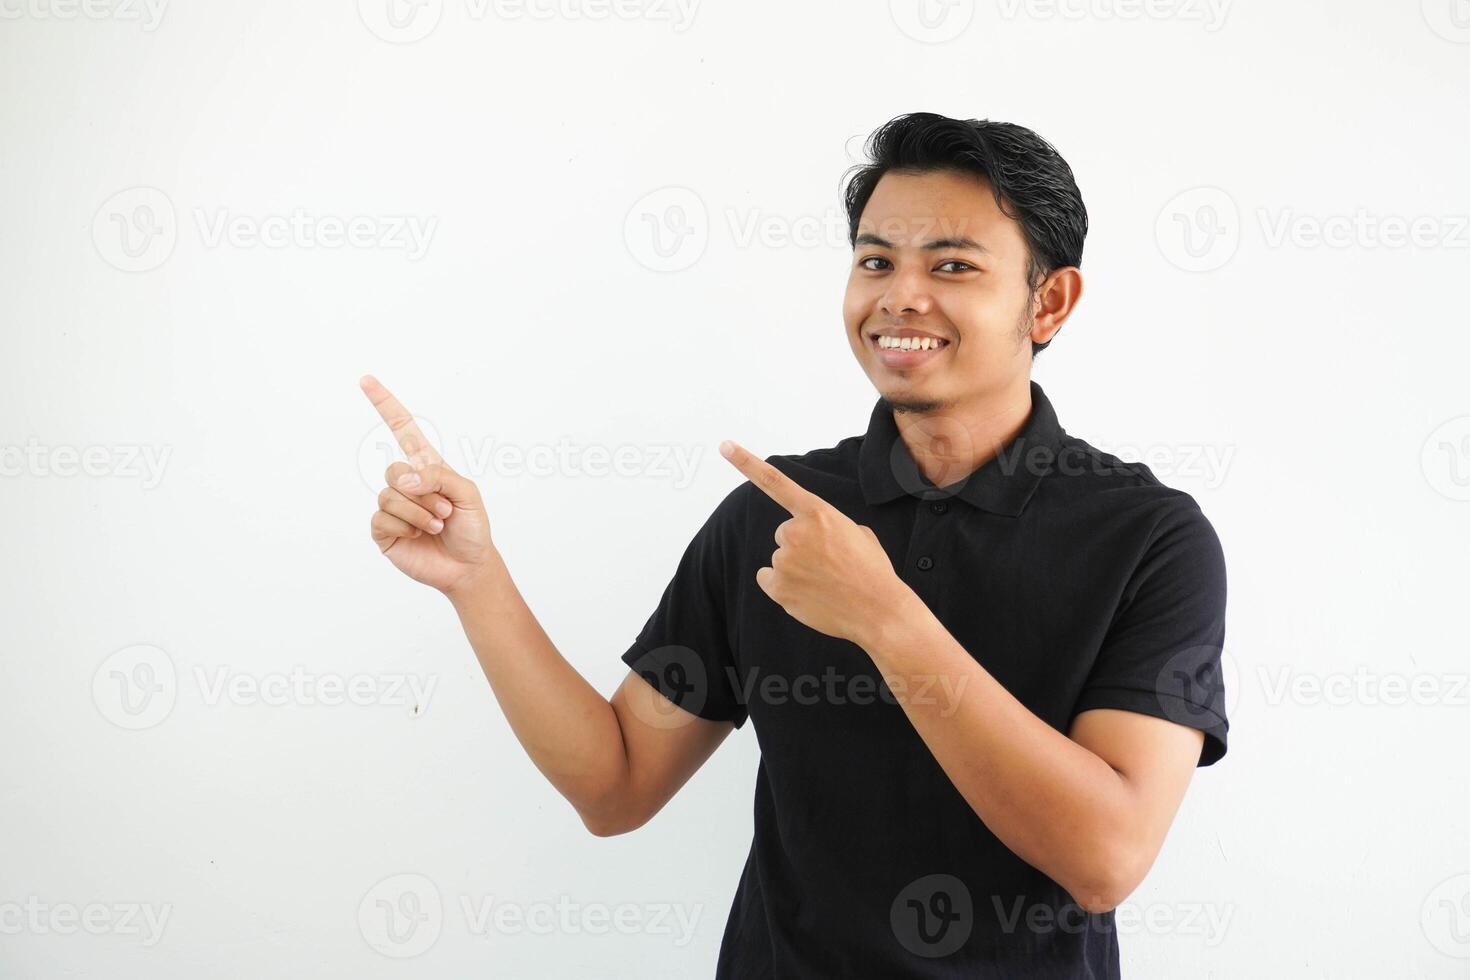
<point>908,343</point>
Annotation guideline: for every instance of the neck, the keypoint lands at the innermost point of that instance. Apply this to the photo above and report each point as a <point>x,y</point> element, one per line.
<point>952,440</point>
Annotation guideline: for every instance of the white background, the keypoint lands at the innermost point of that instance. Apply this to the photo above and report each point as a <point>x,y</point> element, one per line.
<point>1309,394</point>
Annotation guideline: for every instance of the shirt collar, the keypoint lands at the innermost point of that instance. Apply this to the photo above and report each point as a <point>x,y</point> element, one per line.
<point>1002,484</point>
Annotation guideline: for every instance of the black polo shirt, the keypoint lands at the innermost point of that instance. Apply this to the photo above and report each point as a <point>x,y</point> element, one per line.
<point>1077,580</point>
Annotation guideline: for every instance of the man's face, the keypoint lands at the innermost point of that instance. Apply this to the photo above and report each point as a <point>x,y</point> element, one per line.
<point>936,258</point>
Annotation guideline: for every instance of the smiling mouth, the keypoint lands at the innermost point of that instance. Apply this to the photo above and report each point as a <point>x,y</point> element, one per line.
<point>915,342</point>
<point>905,352</point>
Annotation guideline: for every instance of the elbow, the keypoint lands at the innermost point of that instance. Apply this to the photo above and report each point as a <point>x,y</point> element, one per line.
<point>1100,896</point>
<point>1097,900</point>
<point>599,827</point>
<point>1107,887</point>
<point>608,819</point>
<point>605,825</point>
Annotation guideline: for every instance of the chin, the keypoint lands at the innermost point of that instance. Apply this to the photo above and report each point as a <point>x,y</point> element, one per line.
<point>908,399</point>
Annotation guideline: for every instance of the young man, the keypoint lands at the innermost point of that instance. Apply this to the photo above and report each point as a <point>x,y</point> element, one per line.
<point>980,656</point>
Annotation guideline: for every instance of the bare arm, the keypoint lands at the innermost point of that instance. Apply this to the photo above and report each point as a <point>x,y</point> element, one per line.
<point>617,762</point>
<point>1090,808</point>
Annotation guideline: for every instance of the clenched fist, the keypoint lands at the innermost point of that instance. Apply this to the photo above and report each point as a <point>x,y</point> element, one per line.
<point>430,520</point>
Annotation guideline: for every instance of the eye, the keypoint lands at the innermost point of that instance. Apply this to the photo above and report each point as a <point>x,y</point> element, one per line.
<point>964,266</point>
<point>872,258</point>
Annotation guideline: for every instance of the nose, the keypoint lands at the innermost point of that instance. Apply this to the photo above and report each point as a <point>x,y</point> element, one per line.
<point>906,294</point>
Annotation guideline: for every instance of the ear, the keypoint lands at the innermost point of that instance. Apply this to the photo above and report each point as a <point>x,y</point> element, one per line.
<point>1054,302</point>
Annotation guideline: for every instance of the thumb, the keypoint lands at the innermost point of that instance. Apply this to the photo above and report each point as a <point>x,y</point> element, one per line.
<point>439,478</point>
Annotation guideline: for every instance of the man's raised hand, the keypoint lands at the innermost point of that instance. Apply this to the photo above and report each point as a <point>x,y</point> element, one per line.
<point>430,521</point>
<point>827,571</point>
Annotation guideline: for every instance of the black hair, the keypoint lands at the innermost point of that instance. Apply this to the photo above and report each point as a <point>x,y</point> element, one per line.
<point>1031,182</point>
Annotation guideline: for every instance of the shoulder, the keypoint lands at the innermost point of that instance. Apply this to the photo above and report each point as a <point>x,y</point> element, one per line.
<point>1100,486</point>
<point>830,472</point>
<point>839,460</point>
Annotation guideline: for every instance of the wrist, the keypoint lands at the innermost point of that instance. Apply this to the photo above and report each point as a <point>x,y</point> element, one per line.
<point>477,582</point>
<point>894,616</point>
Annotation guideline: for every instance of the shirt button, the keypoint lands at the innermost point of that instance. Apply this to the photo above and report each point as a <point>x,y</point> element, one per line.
<point>925,563</point>
<point>939,506</point>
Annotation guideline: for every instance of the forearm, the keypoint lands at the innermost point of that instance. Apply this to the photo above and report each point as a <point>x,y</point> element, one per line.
<point>1057,805</point>
<point>569,730</point>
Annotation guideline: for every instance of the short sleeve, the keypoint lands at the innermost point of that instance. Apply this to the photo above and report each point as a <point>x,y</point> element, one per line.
<point>1162,654</point>
<point>686,648</point>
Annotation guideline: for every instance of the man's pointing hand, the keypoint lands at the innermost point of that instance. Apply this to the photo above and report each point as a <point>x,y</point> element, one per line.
<point>430,521</point>
<point>827,571</point>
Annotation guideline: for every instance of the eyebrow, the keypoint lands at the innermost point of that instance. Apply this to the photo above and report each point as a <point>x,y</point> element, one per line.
<point>868,238</point>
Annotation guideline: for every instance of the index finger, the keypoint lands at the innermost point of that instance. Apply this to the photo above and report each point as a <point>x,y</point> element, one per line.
<point>775,484</point>
<point>415,446</point>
